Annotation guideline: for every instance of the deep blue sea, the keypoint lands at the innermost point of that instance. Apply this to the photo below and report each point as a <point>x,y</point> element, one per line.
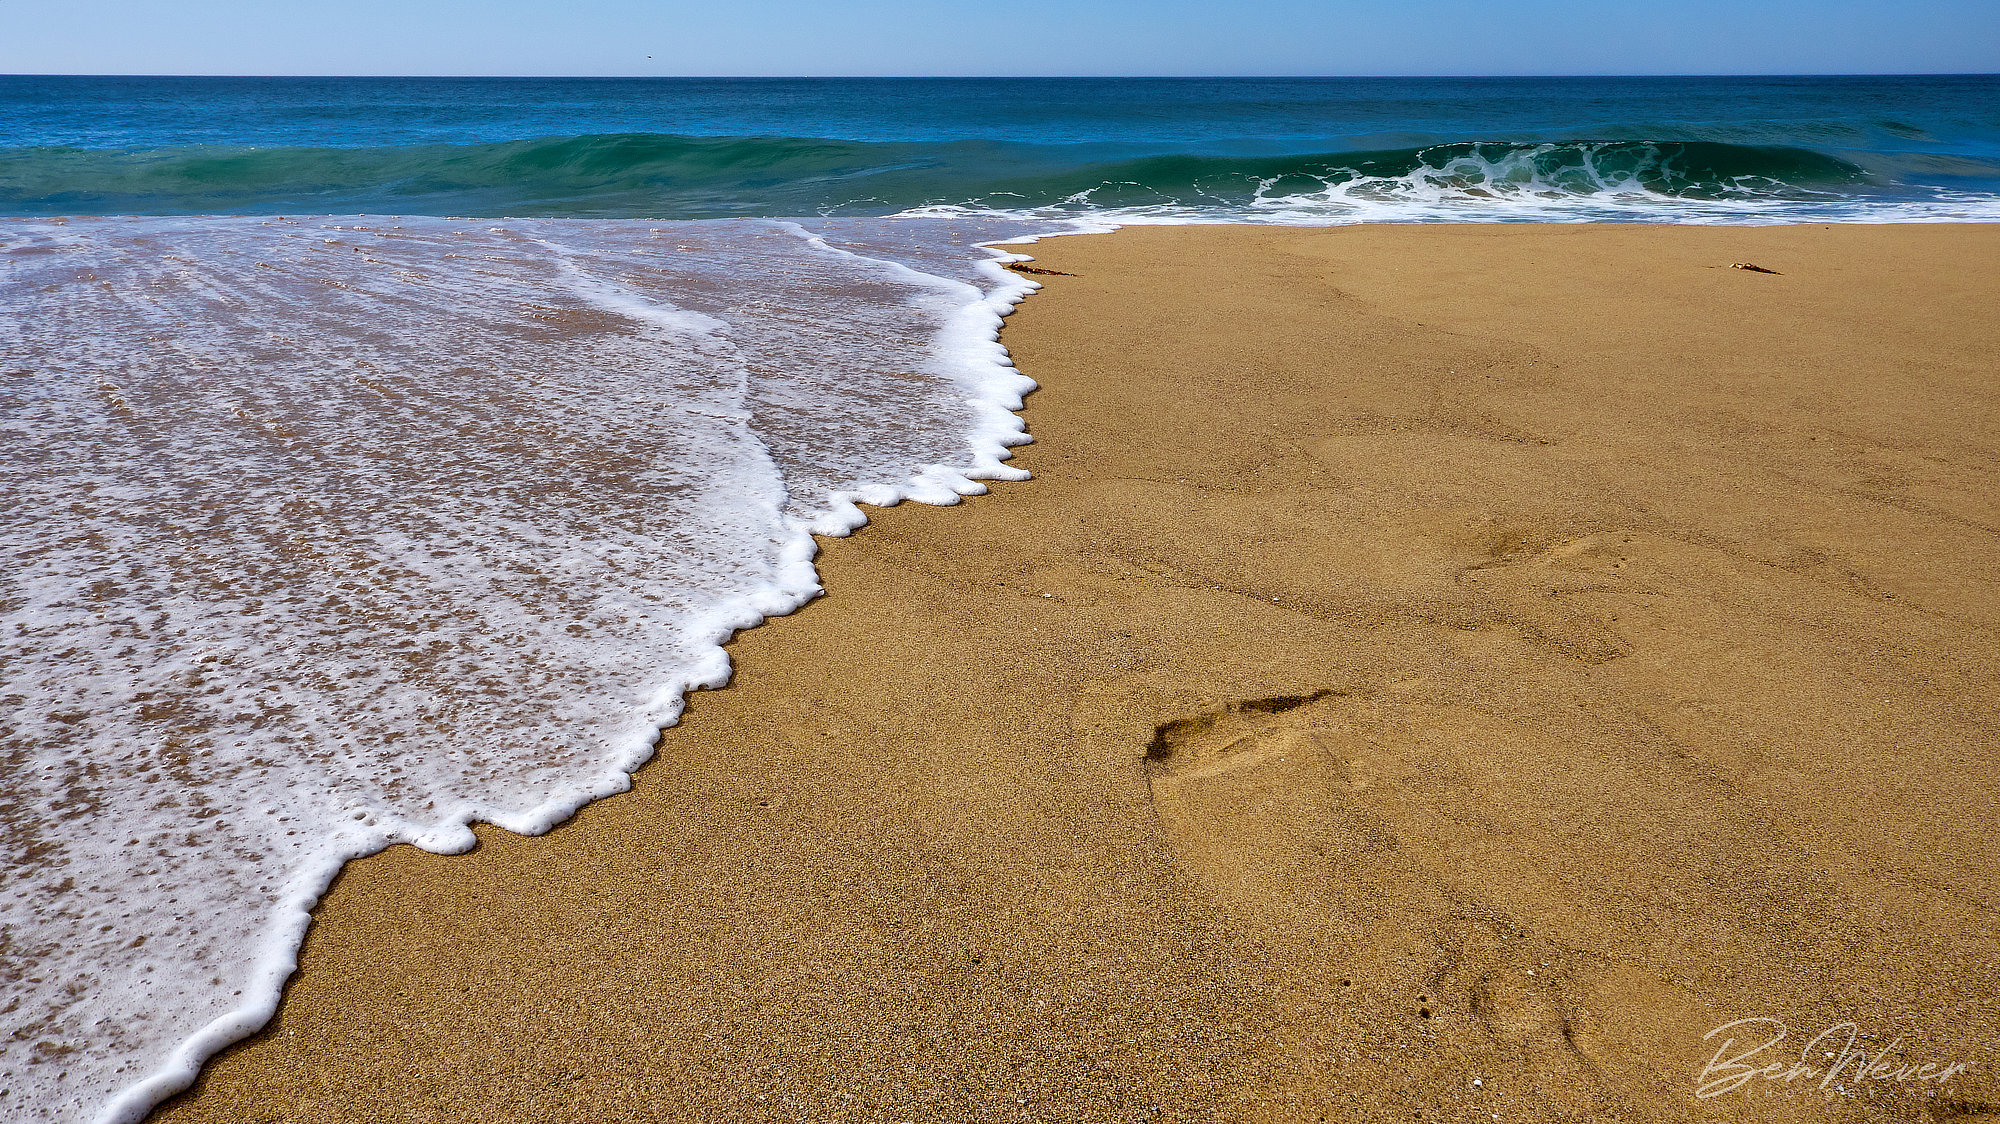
<point>1296,149</point>
<point>384,456</point>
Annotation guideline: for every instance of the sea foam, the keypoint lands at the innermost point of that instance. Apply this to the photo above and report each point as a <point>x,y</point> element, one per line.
<point>329,534</point>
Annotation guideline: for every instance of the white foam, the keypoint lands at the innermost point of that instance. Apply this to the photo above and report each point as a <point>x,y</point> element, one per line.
<point>1551,183</point>
<point>324,537</point>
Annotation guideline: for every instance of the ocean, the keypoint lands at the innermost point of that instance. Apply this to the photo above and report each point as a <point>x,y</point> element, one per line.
<point>1283,149</point>
<point>383,456</point>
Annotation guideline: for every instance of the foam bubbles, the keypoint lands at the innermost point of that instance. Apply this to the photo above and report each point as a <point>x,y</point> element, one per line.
<point>1612,181</point>
<point>323,535</point>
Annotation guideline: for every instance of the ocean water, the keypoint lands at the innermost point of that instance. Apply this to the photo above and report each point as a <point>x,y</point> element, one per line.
<point>381,456</point>
<point>1724,149</point>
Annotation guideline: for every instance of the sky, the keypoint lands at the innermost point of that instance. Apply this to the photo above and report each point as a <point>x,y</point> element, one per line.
<point>1019,37</point>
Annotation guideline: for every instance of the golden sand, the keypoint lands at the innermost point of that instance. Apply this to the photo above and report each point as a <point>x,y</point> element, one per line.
<point>1435,674</point>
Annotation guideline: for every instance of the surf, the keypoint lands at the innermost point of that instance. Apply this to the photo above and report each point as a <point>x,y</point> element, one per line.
<point>683,177</point>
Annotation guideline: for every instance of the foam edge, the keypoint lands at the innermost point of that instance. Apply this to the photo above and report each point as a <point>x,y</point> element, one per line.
<point>975,358</point>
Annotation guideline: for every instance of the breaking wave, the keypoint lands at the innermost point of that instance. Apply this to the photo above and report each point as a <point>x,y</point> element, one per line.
<point>665,176</point>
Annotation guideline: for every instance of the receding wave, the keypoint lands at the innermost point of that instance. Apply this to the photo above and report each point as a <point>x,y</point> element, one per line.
<point>661,176</point>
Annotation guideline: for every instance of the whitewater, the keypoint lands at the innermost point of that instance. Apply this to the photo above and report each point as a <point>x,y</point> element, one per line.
<point>326,535</point>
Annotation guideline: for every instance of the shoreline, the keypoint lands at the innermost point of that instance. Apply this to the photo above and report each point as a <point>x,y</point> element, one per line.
<point>1125,818</point>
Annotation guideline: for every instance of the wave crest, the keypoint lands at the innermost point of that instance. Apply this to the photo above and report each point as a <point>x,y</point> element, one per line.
<point>662,176</point>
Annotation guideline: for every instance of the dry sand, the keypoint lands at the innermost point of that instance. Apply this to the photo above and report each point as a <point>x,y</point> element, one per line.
<point>1435,674</point>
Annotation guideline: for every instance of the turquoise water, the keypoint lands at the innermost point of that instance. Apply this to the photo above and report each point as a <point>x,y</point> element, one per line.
<point>1285,149</point>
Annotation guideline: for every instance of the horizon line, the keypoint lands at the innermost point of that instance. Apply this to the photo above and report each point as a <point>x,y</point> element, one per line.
<point>1027,77</point>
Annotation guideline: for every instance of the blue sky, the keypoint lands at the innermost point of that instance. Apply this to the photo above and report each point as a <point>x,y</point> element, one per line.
<point>1026,37</point>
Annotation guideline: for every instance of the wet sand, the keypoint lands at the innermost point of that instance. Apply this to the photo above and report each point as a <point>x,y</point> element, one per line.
<point>1435,674</point>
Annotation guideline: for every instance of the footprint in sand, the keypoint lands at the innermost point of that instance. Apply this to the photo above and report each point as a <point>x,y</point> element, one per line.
<point>1359,852</point>
<point>1247,793</point>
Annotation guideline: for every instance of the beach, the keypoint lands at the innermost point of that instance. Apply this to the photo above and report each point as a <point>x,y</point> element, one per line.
<point>1434,673</point>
